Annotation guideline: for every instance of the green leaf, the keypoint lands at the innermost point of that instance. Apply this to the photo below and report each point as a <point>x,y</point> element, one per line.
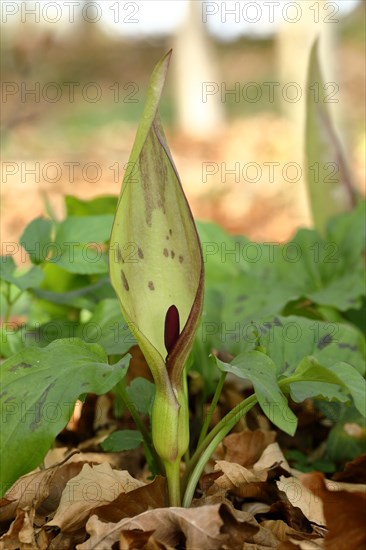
<point>85,259</point>
<point>347,439</point>
<point>39,388</point>
<point>331,383</point>
<point>302,390</point>
<point>332,411</point>
<point>11,339</point>
<point>47,332</point>
<point>100,205</point>
<point>324,271</point>
<point>247,299</point>
<point>208,337</point>
<point>314,380</point>
<point>354,382</point>
<point>261,371</point>
<point>301,462</point>
<point>32,278</point>
<point>79,244</point>
<point>329,181</point>
<point>36,238</point>
<point>108,328</point>
<point>288,340</point>
<point>64,288</point>
<point>348,230</point>
<point>84,229</point>
<point>141,392</point>
<point>221,253</point>
<point>122,440</point>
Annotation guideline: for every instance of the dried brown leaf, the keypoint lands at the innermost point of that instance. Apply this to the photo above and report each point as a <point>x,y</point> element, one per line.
<point>291,515</point>
<point>144,540</point>
<point>292,539</point>
<point>271,455</point>
<point>242,530</point>
<point>207,480</point>
<point>213,527</point>
<point>234,475</point>
<point>302,545</point>
<point>354,471</point>
<point>41,490</point>
<point>20,535</point>
<point>201,530</point>
<point>279,528</point>
<point>244,483</point>
<point>288,546</point>
<point>301,497</point>
<point>344,513</point>
<point>93,487</point>
<point>66,541</point>
<point>133,503</point>
<point>246,447</point>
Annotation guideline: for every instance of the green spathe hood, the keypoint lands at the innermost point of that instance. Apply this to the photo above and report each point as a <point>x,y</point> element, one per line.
<point>155,256</point>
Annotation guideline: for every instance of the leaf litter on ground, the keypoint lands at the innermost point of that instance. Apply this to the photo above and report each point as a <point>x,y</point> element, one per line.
<point>250,499</point>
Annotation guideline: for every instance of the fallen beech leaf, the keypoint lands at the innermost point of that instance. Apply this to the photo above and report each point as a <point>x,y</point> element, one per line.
<point>41,490</point>
<point>28,488</point>
<point>128,505</point>
<point>282,530</point>
<point>302,498</point>
<point>291,515</point>
<point>271,455</point>
<point>344,514</point>
<point>44,539</point>
<point>243,531</point>
<point>214,527</point>
<point>257,485</point>
<point>354,471</point>
<point>200,528</point>
<point>217,498</point>
<point>119,461</point>
<point>94,486</point>
<point>57,455</point>
<point>292,544</point>
<point>288,546</point>
<point>66,541</point>
<point>134,540</point>
<point>246,447</point>
<point>21,532</point>
<point>207,480</point>
<point>234,475</point>
<point>243,483</point>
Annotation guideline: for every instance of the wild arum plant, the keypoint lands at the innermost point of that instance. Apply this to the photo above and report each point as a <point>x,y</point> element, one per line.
<point>161,295</point>
<point>161,298</point>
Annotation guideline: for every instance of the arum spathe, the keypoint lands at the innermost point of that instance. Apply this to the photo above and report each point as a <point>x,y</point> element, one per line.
<point>329,181</point>
<point>156,270</point>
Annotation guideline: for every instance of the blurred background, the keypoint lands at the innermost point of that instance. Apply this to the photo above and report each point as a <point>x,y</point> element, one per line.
<point>74,78</point>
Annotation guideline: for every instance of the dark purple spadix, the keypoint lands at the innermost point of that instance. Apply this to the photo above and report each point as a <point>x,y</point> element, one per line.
<point>171,328</point>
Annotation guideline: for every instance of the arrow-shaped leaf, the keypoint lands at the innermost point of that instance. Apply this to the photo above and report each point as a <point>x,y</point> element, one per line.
<point>39,388</point>
<point>261,371</point>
